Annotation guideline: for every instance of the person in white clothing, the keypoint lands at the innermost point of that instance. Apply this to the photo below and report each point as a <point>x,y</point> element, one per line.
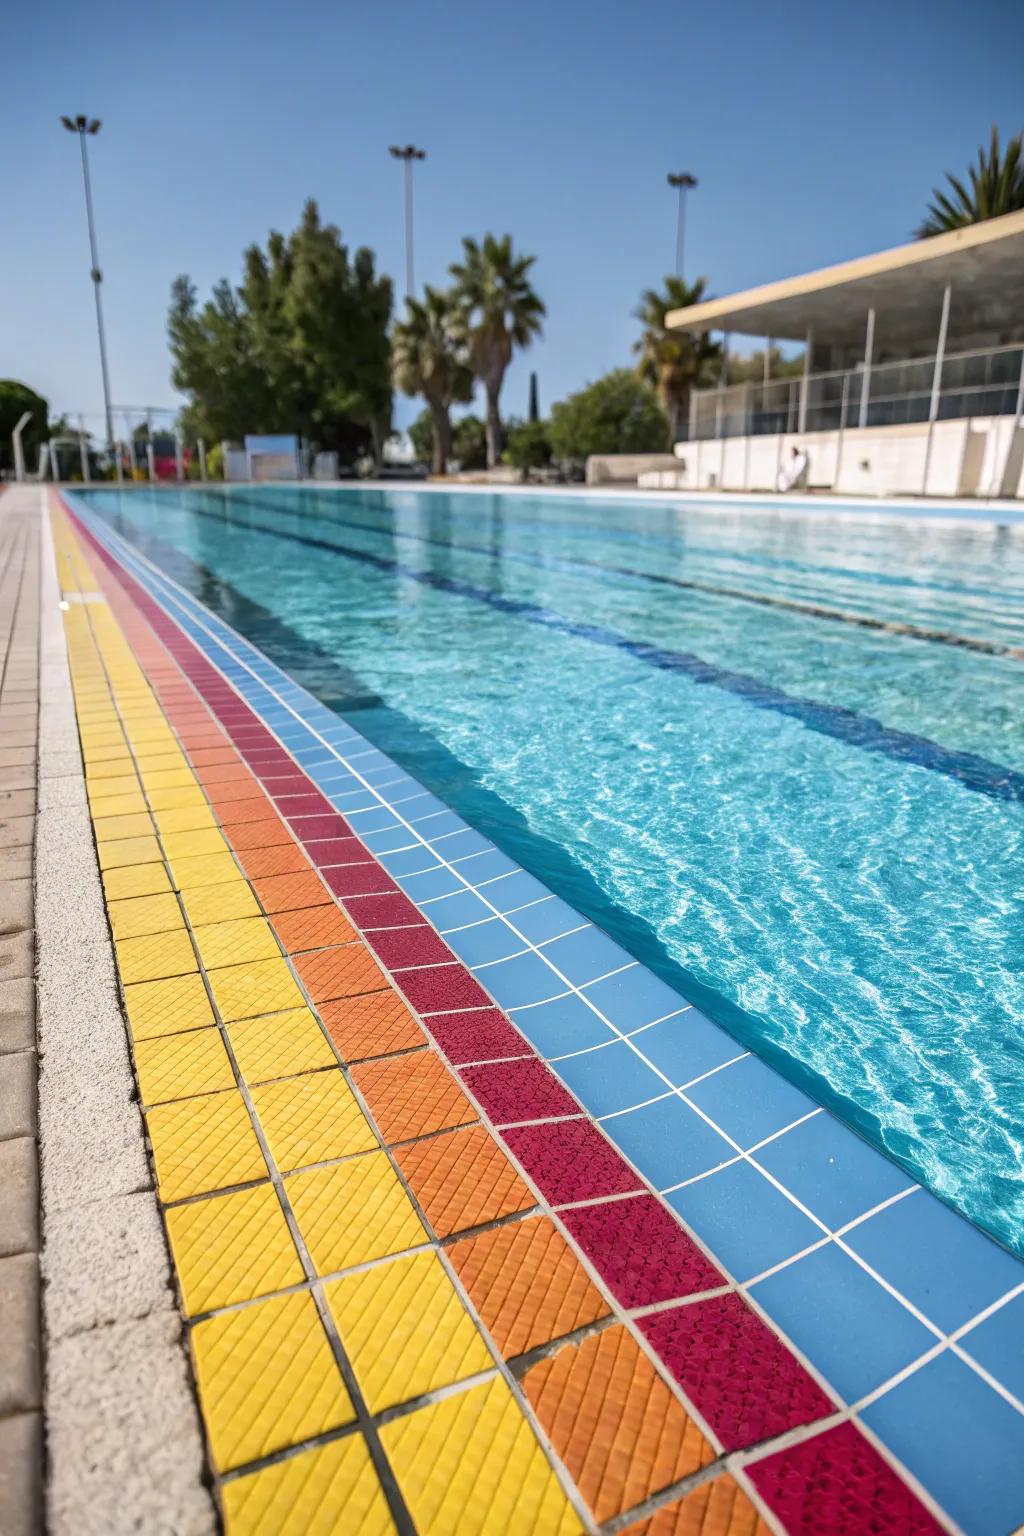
<point>792,471</point>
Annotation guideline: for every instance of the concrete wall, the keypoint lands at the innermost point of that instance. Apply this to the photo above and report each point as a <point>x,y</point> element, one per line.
<point>981,456</point>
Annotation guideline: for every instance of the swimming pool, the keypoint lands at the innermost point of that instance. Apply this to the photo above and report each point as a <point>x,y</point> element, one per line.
<point>807,821</point>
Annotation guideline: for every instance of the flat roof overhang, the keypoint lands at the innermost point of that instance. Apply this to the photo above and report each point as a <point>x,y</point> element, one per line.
<point>984,263</point>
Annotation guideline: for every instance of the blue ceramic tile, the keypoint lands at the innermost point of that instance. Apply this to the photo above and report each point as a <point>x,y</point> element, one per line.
<point>962,1440</point>
<point>831,1171</point>
<point>565,1024</point>
<point>548,918</point>
<point>350,801</point>
<point>633,998</point>
<point>512,889</point>
<point>935,1258</point>
<point>668,1141</point>
<point>407,861</point>
<point>750,1101</point>
<point>392,840</point>
<point>609,1079</point>
<point>433,882</point>
<point>479,867</point>
<point>686,1046</point>
<point>412,800</point>
<point>521,980</point>
<point>583,956</point>
<point>748,1225</point>
<point>461,844</point>
<point>846,1324</point>
<point>457,911</point>
<point>435,824</point>
<point>482,942</point>
<point>373,820</point>
<point>998,1345</point>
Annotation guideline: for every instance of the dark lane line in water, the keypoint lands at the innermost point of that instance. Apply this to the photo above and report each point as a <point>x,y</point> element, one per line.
<point>579,564</point>
<point>969,770</point>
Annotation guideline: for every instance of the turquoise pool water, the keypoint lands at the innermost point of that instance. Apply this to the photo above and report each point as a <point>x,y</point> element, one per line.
<point>809,823</point>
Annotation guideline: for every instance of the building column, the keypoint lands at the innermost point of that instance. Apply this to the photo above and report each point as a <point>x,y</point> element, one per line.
<point>865,383</point>
<point>801,418</point>
<point>933,406</point>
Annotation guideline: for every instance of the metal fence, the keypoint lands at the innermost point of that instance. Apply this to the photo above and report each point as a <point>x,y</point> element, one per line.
<point>982,383</point>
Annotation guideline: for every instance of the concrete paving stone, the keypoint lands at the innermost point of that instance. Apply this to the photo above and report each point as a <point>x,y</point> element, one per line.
<point>21,1475</point>
<point>17,1014</point>
<point>17,802</point>
<point>20,737</point>
<point>60,790</point>
<point>17,954</point>
<point>20,1359</point>
<point>19,1197</point>
<point>17,757</point>
<point>15,905</point>
<point>23,777</point>
<point>17,831</point>
<point>59,763</point>
<point>91,1142</point>
<point>124,1446</point>
<point>18,1095</point>
<point>105,1262</point>
<point>17,863</point>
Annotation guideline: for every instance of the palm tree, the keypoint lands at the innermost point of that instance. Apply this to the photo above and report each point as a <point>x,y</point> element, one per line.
<point>500,312</point>
<point>997,187</point>
<point>428,358</point>
<point>673,361</point>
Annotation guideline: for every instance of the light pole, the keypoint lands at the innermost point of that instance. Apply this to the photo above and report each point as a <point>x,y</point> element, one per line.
<point>683,181</point>
<point>83,125</point>
<point>409,153</point>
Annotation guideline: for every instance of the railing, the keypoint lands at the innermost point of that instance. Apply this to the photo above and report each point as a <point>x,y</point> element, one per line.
<point>983,383</point>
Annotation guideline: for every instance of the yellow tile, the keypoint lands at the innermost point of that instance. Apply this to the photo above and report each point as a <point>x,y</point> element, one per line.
<point>117,805</point>
<point>311,1119</point>
<point>135,880</point>
<point>113,784</point>
<point>204,869</point>
<point>106,828</point>
<point>267,1379</point>
<point>471,1463</point>
<point>220,903</point>
<point>175,799</point>
<point>181,1066</point>
<point>280,1045</point>
<point>151,735</point>
<point>405,1330</point>
<point>167,777</point>
<point>114,753</point>
<point>155,956</point>
<point>324,1492</point>
<point>167,1007</point>
<point>128,850</point>
<point>180,845</point>
<point>353,1212</point>
<point>138,915</point>
<point>120,770</point>
<point>232,1248</point>
<point>203,1144</point>
<point>163,762</point>
<point>191,818</point>
<point>234,943</point>
<point>259,986</point>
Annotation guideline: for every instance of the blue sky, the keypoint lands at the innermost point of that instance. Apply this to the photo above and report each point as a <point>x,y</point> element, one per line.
<point>817,131</point>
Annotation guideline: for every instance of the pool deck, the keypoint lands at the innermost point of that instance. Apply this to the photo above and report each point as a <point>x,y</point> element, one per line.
<point>380,1190</point>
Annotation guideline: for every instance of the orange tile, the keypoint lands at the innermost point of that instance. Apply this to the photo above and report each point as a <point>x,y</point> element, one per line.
<point>281,859</point>
<point>376,1025</point>
<point>462,1179</point>
<point>208,757</point>
<point>237,809</point>
<point>230,792</point>
<point>613,1421</point>
<point>412,1095</point>
<point>313,928</point>
<point>717,1508</point>
<point>527,1284</point>
<point>228,772</point>
<point>266,833</point>
<point>285,893</point>
<point>345,972</point>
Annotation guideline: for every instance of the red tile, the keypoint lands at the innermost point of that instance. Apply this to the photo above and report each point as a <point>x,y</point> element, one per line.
<point>513,1091</point>
<point>569,1160</point>
<point>836,1484</point>
<point>309,803</point>
<point>482,1034</point>
<point>359,879</point>
<point>336,850</point>
<point>399,947</point>
<point>641,1252</point>
<point>392,911</point>
<point>735,1370</point>
<point>286,784</point>
<point>315,828</point>
<point>443,988</point>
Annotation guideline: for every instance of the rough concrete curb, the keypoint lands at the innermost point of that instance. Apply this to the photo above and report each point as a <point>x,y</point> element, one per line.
<point>125,1450</point>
